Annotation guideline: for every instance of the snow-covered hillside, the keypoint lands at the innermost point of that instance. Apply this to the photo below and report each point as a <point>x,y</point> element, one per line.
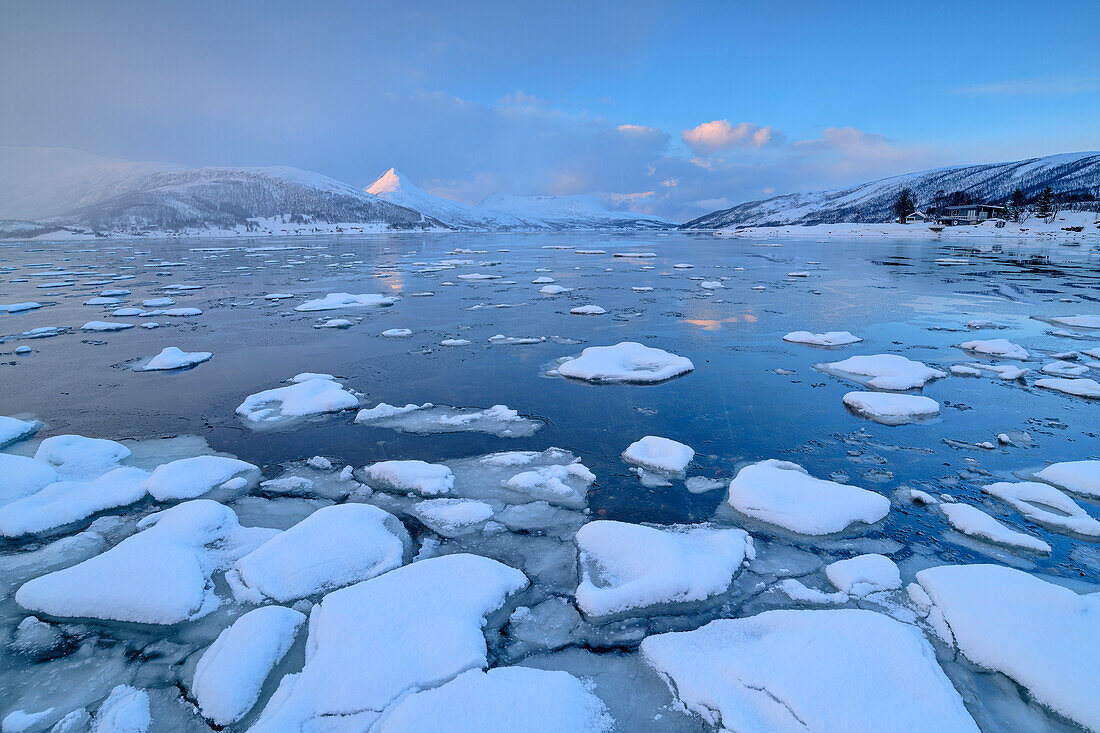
<point>505,213</point>
<point>1071,173</point>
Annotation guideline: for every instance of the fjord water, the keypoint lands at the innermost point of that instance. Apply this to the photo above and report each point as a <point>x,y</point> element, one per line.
<point>751,396</point>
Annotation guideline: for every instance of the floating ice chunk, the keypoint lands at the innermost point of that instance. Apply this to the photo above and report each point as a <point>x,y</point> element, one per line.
<point>397,333</point>
<point>883,371</point>
<point>1045,505</point>
<point>1077,387</point>
<point>405,630</point>
<point>864,574</point>
<point>102,300</point>
<point>172,357</point>
<point>625,567</point>
<point>1043,636</point>
<point>659,454</point>
<point>426,479</point>
<point>181,312</point>
<point>497,420</point>
<point>963,370</point>
<point>22,477</point>
<point>829,338</point>
<point>1064,369</point>
<point>502,699</point>
<point>1080,477</point>
<point>75,456</point>
<point>702,484</point>
<point>1003,371</point>
<point>157,302</point>
<point>799,592</point>
<point>313,396</point>
<point>625,362</point>
<point>452,517</point>
<point>891,409</point>
<point>333,547</point>
<point>544,280</point>
<point>973,522</point>
<point>42,332</point>
<point>564,485</point>
<point>1078,321</point>
<point>809,670</point>
<point>454,342</point>
<point>335,323</point>
<point>711,285</point>
<point>12,429</point>
<point>587,310</point>
<point>65,502</point>
<point>105,326</point>
<point>553,289</point>
<point>126,710</point>
<point>516,340</point>
<point>980,324</point>
<point>785,495</point>
<point>189,478</point>
<point>634,254</point>
<point>476,276</point>
<point>161,575</point>
<point>642,289</point>
<point>232,671</point>
<point>20,721</point>
<point>307,376</point>
<point>336,301</point>
<point>1002,348</point>
<point>278,296</point>
<point>18,307</point>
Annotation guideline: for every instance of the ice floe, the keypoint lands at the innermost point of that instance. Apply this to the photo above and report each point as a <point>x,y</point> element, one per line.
<point>1045,505</point>
<point>1077,321</point>
<point>1077,387</point>
<point>973,522</point>
<point>337,301</point>
<point>883,371</point>
<point>190,478</point>
<point>829,338</point>
<point>453,517</point>
<point>12,430</point>
<point>499,420</point>
<point>305,397</point>
<point>105,326</point>
<point>659,454</point>
<point>65,502</point>
<point>864,574</point>
<point>77,457</point>
<point>425,479</point>
<point>172,357</point>
<point>625,362</point>
<point>1079,477</point>
<point>587,310</point>
<point>891,409</point>
<point>1002,348</point>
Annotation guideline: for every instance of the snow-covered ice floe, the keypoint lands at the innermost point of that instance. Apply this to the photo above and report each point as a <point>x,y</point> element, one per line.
<point>172,357</point>
<point>1077,321</point>
<point>425,479</point>
<point>317,395</point>
<point>12,430</point>
<point>1045,505</point>
<point>1077,387</point>
<point>625,362</point>
<point>1080,477</point>
<point>190,478</point>
<point>337,301</point>
<point>864,574</point>
<point>785,495</point>
<point>829,338</point>
<point>105,326</point>
<point>1041,635</point>
<point>626,567</point>
<point>1002,348</point>
<point>809,670</point>
<point>659,454</point>
<point>883,371</point>
<point>973,522</point>
<point>891,409</point>
<point>499,420</point>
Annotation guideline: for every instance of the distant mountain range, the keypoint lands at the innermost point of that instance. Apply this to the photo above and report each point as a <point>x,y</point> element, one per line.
<point>1068,174</point>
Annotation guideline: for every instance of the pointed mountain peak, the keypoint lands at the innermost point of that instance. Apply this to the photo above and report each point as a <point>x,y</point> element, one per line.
<point>391,182</point>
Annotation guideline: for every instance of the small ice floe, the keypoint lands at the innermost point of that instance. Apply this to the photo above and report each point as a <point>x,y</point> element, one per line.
<point>190,478</point>
<point>973,522</point>
<point>702,484</point>
<point>476,276</point>
<point>799,592</point>
<point>23,350</point>
<point>544,280</point>
<point>801,273</point>
<point>278,296</point>
<point>554,289</point>
<point>587,310</point>
<point>1003,371</point>
<point>453,597</point>
<point>161,575</point>
<point>1077,321</point>
<point>883,371</point>
<point>683,266</point>
<point>181,312</point>
<point>711,285</point>
<point>792,671</point>
<point>420,477</point>
<point>627,567</point>
<point>516,340</point>
<point>126,710</point>
<point>12,429</point>
<point>105,326</point>
<point>453,517</point>
<point>642,289</point>
<point>102,300</point>
<point>864,574</point>
<point>891,409</point>
<point>231,672</point>
<point>18,307</point>
<point>336,301</point>
<point>397,333</point>
<point>1001,348</point>
<point>1045,637</point>
<point>499,420</point>
<point>157,303</point>
<point>625,362</point>
<point>951,261</point>
<point>42,332</point>
<point>1079,477</point>
<point>333,547</point>
<point>172,357</point>
<point>978,325</point>
<point>965,370</point>
<point>1077,387</point>
<point>502,699</point>
<point>1046,506</point>
<point>334,323</point>
<point>829,338</point>
<point>310,394</point>
<point>659,454</point>
<point>64,502</point>
<point>455,342</point>
<point>785,495</point>
<point>1064,369</point>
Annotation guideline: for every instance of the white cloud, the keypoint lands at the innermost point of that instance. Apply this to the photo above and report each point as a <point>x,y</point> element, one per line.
<point>710,137</point>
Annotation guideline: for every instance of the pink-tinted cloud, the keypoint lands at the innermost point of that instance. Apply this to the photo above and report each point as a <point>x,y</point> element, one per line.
<point>711,137</point>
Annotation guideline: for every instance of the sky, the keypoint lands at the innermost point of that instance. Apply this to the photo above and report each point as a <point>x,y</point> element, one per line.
<point>673,108</point>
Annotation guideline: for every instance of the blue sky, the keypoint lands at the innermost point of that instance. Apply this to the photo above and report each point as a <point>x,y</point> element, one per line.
<point>675,108</point>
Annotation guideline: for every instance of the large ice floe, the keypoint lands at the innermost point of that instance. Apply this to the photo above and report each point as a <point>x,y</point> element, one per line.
<point>161,575</point>
<point>809,670</point>
<point>339,301</point>
<point>891,409</point>
<point>1080,477</point>
<point>65,502</point>
<point>883,371</point>
<point>190,478</point>
<point>627,567</point>
<point>1043,636</point>
<point>365,649</point>
<point>499,420</point>
<point>785,495</point>
<point>312,395</point>
<point>1077,387</point>
<point>625,362</point>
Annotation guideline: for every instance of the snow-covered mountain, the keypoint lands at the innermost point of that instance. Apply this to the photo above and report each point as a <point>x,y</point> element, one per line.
<point>59,187</point>
<point>505,213</point>
<point>1070,174</point>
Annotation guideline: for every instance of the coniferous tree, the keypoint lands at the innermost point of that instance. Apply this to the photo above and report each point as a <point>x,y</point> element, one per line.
<point>1044,205</point>
<point>1016,204</point>
<point>904,205</point>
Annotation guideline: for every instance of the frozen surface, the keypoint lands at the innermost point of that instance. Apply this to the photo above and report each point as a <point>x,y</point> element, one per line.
<point>625,362</point>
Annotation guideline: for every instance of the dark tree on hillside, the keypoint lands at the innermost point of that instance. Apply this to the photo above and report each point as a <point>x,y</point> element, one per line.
<point>937,204</point>
<point>904,205</point>
<point>1044,205</point>
<point>1017,205</point>
<point>959,198</point>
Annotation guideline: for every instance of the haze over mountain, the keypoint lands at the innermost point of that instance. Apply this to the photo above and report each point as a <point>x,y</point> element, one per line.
<point>1069,174</point>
